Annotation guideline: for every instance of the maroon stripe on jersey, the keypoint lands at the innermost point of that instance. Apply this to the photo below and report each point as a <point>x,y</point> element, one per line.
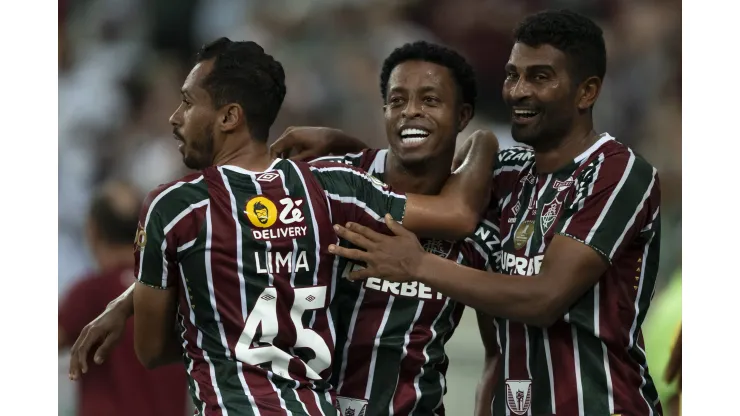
<point>405,397</point>
<point>184,231</point>
<point>306,396</point>
<point>366,328</point>
<point>564,381</point>
<point>614,325</point>
<point>518,354</point>
<point>187,228</point>
<point>584,220</point>
<point>226,285</point>
<point>368,159</point>
<point>190,335</point>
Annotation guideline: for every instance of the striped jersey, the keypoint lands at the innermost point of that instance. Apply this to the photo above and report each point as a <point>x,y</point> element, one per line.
<point>390,357</point>
<point>591,362</point>
<point>248,254</point>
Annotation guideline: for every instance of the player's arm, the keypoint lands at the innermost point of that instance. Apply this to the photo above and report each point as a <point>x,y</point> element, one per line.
<point>455,212</point>
<point>155,338</point>
<point>611,210</point>
<point>155,292</point>
<point>487,383</point>
<point>451,215</point>
<point>306,143</point>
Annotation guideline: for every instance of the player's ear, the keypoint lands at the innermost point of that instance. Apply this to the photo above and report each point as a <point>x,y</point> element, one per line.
<point>588,92</point>
<point>230,117</point>
<point>465,115</point>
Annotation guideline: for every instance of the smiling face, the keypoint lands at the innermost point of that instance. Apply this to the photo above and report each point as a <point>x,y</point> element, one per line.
<point>424,112</point>
<point>540,94</point>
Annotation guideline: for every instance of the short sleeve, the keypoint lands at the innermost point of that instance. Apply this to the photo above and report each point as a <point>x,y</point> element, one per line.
<point>507,172</point>
<point>482,250</point>
<point>616,198</point>
<point>155,260</point>
<point>363,160</point>
<point>358,197</point>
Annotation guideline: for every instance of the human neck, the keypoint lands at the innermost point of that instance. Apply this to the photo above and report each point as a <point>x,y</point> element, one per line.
<point>246,153</point>
<point>549,159</point>
<point>425,178</point>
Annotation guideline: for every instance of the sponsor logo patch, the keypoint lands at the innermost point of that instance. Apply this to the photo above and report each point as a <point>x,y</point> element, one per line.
<point>274,224</point>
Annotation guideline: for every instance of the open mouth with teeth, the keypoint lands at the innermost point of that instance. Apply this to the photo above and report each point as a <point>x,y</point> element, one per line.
<point>524,115</point>
<point>413,136</point>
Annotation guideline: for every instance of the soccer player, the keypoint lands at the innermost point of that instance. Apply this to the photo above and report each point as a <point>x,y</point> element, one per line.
<point>580,227</point>
<point>233,257</point>
<point>390,356</point>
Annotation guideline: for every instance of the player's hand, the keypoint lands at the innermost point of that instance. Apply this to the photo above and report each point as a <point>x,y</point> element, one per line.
<point>485,137</point>
<point>103,333</point>
<point>673,370</point>
<point>303,143</point>
<point>393,258</point>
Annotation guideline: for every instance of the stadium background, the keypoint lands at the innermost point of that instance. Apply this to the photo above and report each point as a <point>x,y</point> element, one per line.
<point>121,64</point>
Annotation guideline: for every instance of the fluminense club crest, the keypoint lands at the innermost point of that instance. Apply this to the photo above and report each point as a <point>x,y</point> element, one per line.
<point>441,248</point>
<point>550,212</point>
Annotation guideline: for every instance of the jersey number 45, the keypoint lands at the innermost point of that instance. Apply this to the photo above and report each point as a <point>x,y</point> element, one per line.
<point>264,314</point>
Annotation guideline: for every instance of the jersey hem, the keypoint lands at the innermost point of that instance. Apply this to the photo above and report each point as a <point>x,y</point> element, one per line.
<point>153,286</point>
<point>598,250</point>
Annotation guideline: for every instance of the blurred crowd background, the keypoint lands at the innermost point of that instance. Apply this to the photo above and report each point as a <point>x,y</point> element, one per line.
<point>122,62</point>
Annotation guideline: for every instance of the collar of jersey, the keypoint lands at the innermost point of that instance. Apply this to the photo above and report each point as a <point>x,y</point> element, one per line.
<point>605,137</point>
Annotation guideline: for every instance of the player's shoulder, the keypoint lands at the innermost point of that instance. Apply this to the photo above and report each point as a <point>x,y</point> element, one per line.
<point>514,156</point>
<point>170,198</point>
<point>613,159</point>
<point>333,174</point>
<point>362,159</point>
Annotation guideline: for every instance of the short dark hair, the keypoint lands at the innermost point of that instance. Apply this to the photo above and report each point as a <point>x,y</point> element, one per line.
<point>424,51</point>
<point>244,74</point>
<point>116,216</point>
<point>576,35</point>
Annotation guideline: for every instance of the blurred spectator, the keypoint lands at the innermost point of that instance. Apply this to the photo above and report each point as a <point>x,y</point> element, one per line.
<point>119,386</point>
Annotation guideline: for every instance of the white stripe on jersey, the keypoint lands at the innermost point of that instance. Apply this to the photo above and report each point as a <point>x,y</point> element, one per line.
<point>378,165</point>
<point>582,201</point>
<point>360,174</point>
<point>404,348</point>
<point>442,380</point>
<point>644,382</point>
<point>350,334</point>
<point>376,345</point>
<point>615,192</point>
<point>426,356</point>
<point>151,208</point>
<point>548,357</point>
<point>187,245</point>
<point>317,253</point>
<point>168,228</point>
<point>209,277</point>
<point>645,254</point>
<point>634,215</point>
<point>271,282</point>
<point>242,283</point>
<point>577,361</point>
<point>198,339</point>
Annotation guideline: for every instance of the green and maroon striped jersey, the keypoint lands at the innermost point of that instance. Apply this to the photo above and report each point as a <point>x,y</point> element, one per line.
<point>390,357</point>
<point>592,360</point>
<point>247,252</point>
